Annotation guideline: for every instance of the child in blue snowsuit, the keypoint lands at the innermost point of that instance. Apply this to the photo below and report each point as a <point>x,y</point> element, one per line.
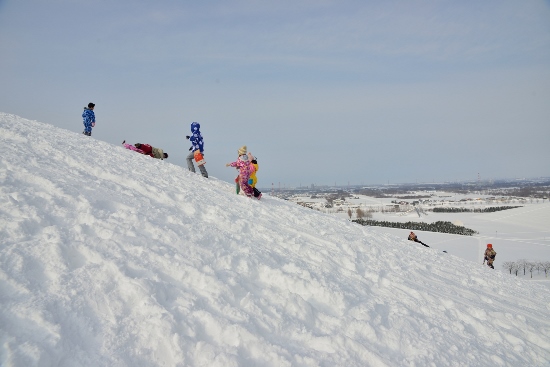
<point>197,144</point>
<point>88,117</point>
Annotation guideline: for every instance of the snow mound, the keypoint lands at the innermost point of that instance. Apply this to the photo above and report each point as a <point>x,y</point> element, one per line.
<point>112,258</point>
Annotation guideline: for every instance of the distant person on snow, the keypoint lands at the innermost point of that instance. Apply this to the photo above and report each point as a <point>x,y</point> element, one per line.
<point>490,255</point>
<point>147,150</point>
<point>412,237</point>
<point>245,169</point>
<point>197,143</point>
<point>88,117</point>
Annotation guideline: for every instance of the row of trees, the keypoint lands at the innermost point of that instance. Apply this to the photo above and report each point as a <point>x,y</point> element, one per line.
<point>491,209</point>
<point>535,191</point>
<point>439,226</point>
<point>360,213</point>
<point>527,267</point>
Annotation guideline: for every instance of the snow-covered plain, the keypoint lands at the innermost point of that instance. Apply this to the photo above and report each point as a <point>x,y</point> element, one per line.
<point>111,258</point>
<point>519,233</point>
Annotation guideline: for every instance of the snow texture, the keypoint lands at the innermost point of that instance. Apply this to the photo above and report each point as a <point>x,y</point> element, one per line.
<point>112,258</point>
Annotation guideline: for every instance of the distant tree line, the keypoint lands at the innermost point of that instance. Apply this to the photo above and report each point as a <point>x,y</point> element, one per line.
<point>361,213</point>
<point>535,191</point>
<point>375,193</point>
<point>475,210</point>
<point>407,197</point>
<point>527,266</point>
<point>439,226</point>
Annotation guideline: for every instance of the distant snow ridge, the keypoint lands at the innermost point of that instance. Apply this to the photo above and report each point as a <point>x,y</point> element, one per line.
<point>111,258</point>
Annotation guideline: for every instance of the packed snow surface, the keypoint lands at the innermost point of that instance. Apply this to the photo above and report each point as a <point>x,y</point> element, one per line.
<point>112,258</point>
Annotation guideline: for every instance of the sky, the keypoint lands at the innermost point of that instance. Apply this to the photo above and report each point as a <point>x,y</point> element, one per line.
<point>119,259</point>
<point>322,92</point>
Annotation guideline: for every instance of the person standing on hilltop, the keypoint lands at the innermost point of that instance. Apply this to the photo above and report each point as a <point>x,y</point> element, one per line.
<point>88,117</point>
<point>489,256</point>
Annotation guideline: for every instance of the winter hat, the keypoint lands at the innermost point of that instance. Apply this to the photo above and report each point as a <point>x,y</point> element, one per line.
<point>242,150</point>
<point>91,105</point>
<point>489,246</point>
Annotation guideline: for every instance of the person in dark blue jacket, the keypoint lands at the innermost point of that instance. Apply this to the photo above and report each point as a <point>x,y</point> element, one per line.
<point>88,119</point>
<point>197,144</point>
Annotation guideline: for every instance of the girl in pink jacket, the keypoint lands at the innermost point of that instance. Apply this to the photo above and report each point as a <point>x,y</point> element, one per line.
<point>245,170</point>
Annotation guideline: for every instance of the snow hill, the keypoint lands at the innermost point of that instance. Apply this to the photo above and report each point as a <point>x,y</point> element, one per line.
<point>111,258</point>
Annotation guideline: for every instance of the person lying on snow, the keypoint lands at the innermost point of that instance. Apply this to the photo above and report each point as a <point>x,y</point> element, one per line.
<point>146,149</point>
<point>412,237</point>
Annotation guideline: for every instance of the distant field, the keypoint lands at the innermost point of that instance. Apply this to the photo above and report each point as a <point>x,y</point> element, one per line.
<point>521,233</point>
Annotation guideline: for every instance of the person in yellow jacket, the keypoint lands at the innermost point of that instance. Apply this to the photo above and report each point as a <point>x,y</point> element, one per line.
<point>252,180</point>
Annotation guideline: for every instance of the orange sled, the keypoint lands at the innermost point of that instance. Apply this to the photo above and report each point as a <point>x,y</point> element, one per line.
<point>199,158</point>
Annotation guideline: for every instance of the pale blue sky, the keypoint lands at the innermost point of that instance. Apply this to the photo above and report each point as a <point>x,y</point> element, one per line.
<point>322,92</point>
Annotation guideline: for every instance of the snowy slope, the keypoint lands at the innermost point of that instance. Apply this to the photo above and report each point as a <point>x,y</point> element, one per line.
<point>111,258</point>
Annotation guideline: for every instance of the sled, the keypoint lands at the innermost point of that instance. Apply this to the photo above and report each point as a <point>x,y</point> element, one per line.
<point>199,158</point>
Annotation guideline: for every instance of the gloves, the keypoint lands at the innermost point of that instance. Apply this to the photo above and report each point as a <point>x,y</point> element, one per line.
<point>250,181</point>
<point>190,148</point>
<point>187,137</point>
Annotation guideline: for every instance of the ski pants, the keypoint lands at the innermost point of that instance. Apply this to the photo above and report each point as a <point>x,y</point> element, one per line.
<point>245,187</point>
<point>417,240</point>
<point>87,127</point>
<point>191,166</point>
